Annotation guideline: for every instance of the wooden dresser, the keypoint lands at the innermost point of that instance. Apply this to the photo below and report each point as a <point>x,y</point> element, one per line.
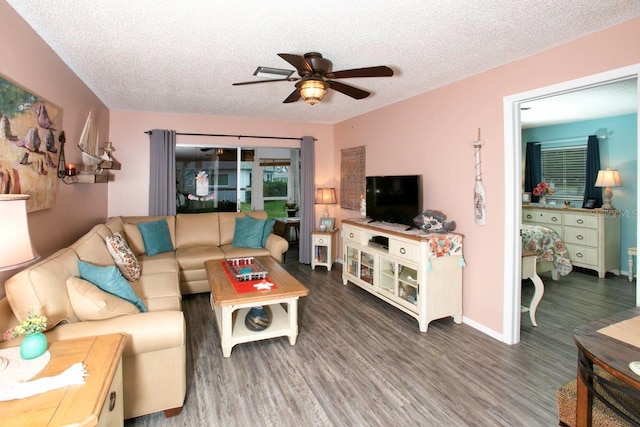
<point>592,236</point>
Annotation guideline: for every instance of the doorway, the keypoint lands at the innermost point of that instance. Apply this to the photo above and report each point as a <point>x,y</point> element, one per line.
<point>513,187</point>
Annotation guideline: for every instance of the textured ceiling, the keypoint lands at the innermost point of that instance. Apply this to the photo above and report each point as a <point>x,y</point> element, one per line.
<point>183,56</point>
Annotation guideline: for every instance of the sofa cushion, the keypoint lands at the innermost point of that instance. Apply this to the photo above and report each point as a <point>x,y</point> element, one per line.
<point>134,238</point>
<point>160,291</point>
<point>235,252</point>
<point>268,227</point>
<point>194,258</point>
<point>132,232</point>
<point>248,233</point>
<point>89,302</point>
<point>227,222</point>
<point>42,288</point>
<point>125,260</point>
<point>91,247</point>
<point>110,279</point>
<point>156,237</point>
<point>197,230</point>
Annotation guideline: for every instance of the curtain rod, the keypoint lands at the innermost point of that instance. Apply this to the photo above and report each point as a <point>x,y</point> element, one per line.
<point>574,139</point>
<point>236,136</point>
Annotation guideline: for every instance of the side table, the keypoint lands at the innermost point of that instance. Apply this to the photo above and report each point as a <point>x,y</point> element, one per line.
<point>324,248</point>
<point>99,401</point>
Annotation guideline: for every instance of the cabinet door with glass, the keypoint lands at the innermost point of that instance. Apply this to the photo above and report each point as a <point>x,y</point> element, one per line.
<point>358,264</point>
<point>399,281</point>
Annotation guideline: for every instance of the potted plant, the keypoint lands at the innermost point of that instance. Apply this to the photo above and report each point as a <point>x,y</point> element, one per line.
<point>34,343</point>
<point>291,208</point>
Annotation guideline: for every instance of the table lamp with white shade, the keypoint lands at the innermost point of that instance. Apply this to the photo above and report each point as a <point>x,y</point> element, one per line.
<point>608,178</point>
<point>326,196</point>
<point>17,250</point>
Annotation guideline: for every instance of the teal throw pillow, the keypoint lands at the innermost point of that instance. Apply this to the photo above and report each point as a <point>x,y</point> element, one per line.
<point>109,279</point>
<point>248,233</point>
<point>156,237</point>
<point>268,227</point>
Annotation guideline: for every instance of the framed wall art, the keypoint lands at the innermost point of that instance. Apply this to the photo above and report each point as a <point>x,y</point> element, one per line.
<point>29,148</point>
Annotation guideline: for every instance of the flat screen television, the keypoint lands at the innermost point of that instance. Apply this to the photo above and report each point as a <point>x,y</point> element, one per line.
<point>396,199</point>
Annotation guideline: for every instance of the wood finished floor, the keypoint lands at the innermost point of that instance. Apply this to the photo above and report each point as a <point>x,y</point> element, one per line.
<point>361,362</point>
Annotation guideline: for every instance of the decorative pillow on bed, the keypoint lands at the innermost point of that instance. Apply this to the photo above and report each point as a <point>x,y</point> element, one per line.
<point>109,279</point>
<point>123,256</point>
<point>89,302</point>
<point>156,237</point>
<point>248,233</point>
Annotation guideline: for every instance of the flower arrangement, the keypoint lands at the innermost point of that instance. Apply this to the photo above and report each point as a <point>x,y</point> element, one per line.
<point>542,189</point>
<point>31,325</point>
<point>202,177</point>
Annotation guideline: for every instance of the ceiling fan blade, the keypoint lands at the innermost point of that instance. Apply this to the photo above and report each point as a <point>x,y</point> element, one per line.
<point>295,95</point>
<point>380,71</point>
<point>288,79</point>
<point>298,62</point>
<point>351,91</point>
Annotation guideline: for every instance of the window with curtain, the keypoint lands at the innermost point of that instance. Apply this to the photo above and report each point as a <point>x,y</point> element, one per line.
<point>564,169</point>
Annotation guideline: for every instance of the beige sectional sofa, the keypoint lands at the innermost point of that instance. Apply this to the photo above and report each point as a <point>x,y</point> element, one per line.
<point>154,356</point>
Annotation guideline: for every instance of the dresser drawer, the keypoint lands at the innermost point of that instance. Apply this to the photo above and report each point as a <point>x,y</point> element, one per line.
<point>542,217</point>
<point>321,240</point>
<point>404,250</point>
<point>581,236</point>
<point>583,255</point>
<point>581,220</point>
<point>352,235</point>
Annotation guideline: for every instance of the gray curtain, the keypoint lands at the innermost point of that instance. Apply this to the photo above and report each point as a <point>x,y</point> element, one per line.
<point>307,199</point>
<point>162,173</point>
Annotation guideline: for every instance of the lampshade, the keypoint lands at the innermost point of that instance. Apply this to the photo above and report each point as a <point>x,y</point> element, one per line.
<point>608,178</point>
<point>326,196</point>
<point>312,90</point>
<point>17,250</point>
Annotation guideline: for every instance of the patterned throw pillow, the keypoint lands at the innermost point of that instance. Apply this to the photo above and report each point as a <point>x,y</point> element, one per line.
<point>123,256</point>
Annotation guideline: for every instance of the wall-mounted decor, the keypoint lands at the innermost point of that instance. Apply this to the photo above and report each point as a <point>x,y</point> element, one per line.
<point>29,150</point>
<point>479,195</point>
<point>352,177</point>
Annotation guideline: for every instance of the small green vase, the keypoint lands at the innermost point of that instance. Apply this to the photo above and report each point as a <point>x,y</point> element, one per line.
<point>33,345</point>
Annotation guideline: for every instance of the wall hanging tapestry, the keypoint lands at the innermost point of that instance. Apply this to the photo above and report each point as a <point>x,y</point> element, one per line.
<point>352,178</point>
<point>29,149</point>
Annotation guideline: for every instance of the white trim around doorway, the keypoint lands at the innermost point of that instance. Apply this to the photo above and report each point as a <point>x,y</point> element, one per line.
<point>513,188</point>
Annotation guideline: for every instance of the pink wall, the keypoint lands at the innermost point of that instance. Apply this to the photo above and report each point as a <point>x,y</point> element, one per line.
<point>128,192</point>
<point>430,134</point>
<point>30,63</point>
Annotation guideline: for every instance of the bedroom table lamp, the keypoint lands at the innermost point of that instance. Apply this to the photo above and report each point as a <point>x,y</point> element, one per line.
<point>326,196</point>
<point>17,251</point>
<point>608,178</point>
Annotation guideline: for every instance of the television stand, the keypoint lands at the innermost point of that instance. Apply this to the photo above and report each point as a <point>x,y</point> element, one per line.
<point>407,274</point>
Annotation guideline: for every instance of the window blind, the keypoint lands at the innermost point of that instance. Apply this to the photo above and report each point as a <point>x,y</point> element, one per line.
<point>564,169</point>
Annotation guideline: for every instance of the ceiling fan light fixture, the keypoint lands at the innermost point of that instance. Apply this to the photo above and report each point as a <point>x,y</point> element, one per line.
<point>312,91</point>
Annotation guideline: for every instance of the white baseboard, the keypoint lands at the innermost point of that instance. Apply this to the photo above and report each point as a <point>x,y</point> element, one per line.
<point>483,329</point>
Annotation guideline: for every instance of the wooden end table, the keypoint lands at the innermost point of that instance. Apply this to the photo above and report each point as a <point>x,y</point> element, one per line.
<point>230,308</point>
<point>99,401</point>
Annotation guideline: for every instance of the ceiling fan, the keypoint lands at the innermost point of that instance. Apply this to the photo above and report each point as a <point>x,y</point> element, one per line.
<point>316,77</point>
